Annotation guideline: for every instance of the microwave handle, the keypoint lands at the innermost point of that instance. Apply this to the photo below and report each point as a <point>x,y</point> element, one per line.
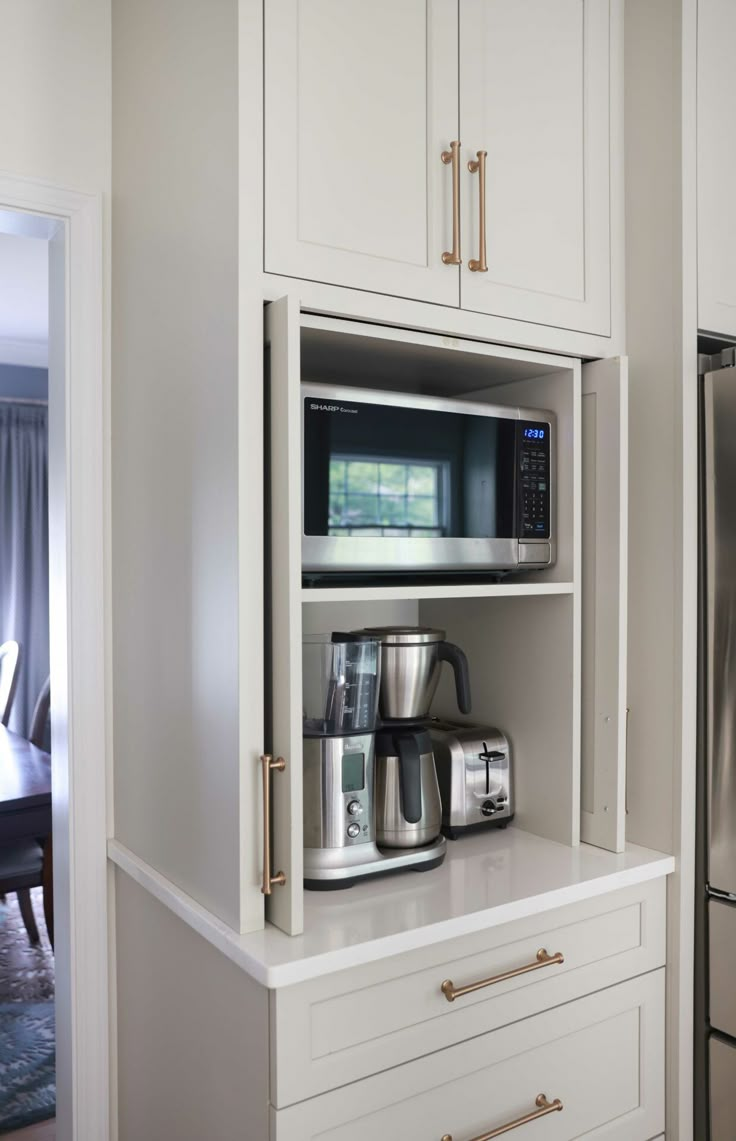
<point>448,652</point>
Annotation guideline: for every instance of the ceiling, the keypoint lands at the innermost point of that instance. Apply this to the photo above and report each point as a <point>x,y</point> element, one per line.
<point>24,287</point>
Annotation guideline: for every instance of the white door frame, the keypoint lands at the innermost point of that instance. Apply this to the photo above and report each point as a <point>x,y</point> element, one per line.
<point>78,510</point>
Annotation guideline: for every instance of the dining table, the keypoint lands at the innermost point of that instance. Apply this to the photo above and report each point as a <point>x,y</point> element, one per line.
<point>25,804</point>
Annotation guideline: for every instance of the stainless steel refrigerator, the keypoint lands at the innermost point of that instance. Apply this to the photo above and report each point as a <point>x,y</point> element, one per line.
<point>715,1078</point>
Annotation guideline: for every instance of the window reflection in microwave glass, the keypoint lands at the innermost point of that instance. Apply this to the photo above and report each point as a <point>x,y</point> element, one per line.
<point>385,497</point>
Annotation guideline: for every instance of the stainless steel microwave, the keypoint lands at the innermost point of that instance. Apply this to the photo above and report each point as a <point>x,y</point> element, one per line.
<point>401,484</point>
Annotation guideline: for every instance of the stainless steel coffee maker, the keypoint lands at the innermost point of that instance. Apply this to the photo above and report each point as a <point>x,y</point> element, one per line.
<point>341,674</point>
<point>411,663</point>
<point>408,806</point>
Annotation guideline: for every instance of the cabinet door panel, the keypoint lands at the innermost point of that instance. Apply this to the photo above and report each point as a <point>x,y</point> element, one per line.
<point>361,100</point>
<point>604,603</point>
<point>716,167</point>
<point>285,905</point>
<point>535,94</point>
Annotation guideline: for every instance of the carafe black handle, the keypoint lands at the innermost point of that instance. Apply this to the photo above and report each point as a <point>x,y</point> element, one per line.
<point>410,776</point>
<point>456,657</point>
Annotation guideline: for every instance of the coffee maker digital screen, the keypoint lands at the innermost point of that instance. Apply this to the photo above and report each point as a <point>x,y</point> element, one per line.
<point>353,775</point>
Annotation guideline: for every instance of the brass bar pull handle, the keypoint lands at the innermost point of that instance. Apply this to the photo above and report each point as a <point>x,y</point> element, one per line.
<point>452,257</point>
<point>543,959</point>
<point>267,764</point>
<point>478,166</point>
<point>544,1107</point>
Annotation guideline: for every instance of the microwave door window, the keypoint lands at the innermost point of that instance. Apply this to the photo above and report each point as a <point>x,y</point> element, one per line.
<point>386,496</point>
<point>373,470</point>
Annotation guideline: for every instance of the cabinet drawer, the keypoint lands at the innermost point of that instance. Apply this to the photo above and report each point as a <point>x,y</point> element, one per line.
<point>601,1056</point>
<point>357,1022</point>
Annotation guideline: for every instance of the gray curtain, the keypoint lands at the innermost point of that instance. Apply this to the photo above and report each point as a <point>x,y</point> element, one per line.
<point>24,548</point>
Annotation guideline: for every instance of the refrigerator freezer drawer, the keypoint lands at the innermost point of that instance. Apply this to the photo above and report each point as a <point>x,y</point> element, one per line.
<point>722,1085</point>
<point>721,942</point>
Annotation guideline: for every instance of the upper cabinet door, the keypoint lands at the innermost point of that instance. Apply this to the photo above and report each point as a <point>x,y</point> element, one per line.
<point>716,167</point>
<point>535,95</point>
<point>361,99</point>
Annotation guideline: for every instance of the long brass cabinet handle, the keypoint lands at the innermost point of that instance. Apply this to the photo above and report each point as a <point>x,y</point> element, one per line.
<point>478,166</point>
<point>452,257</point>
<point>543,959</point>
<point>268,764</point>
<point>544,1107</point>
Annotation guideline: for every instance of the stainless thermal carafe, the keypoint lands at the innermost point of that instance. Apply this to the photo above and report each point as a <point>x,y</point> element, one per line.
<point>408,808</point>
<point>411,660</point>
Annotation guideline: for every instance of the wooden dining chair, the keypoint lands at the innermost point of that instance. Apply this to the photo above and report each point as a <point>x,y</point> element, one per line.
<point>21,868</point>
<point>40,716</point>
<point>9,673</point>
<point>22,865</point>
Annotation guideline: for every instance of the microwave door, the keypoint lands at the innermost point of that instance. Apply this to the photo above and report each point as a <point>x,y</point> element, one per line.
<point>409,485</point>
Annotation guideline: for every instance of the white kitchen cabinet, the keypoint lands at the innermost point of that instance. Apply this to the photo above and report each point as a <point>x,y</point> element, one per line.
<point>716,167</point>
<point>535,94</point>
<point>350,1024</point>
<point>361,100</point>
<point>356,193</point>
<point>348,1033</point>
<point>600,1059</point>
<point>574,612</point>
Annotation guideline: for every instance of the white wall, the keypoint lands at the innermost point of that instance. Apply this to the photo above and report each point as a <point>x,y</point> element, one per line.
<point>55,91</point>
<point>175,443</point>
<point>55,85</point>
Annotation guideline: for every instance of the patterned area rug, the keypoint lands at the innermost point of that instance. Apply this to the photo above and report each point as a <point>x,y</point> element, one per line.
<point>27,1047</point>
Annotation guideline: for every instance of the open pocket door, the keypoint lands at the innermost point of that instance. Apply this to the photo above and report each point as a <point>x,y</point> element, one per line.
<point>604,602</point>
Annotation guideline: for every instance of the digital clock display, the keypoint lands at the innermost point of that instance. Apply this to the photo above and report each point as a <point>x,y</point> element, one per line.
<point>534,433</point>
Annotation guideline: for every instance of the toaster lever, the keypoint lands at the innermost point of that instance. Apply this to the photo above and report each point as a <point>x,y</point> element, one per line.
<point>489,756</point>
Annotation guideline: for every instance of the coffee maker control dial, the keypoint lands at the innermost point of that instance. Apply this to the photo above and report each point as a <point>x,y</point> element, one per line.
<point>353,830</point>
<point>355,808</point>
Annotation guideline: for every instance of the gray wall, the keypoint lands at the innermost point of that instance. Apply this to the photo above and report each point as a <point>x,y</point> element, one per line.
<point>18,380</point>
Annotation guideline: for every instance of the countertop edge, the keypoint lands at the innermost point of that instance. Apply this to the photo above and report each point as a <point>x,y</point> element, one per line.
<point>228,942</point>
<point>186,908</point>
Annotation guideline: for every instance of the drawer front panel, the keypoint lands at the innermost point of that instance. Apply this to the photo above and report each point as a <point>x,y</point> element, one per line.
<point>358,1022</point>
<point>602,1056</point>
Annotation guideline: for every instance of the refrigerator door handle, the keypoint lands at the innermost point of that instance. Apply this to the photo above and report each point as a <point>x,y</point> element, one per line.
<point>714,893</point>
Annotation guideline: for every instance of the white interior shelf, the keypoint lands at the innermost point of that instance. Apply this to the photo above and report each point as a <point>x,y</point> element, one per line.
<point>418,592</point>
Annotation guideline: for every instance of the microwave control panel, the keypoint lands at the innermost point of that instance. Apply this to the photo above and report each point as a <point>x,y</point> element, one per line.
<point>534,479</point>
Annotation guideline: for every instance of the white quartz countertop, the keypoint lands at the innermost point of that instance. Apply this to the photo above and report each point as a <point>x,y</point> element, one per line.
<point>486,880</point>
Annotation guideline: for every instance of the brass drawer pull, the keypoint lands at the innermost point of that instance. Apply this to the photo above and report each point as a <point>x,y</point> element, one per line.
<point>543,959</point>
<point>452,257</point>
<point>545,1107</point>
<point>478,166</point>
<point>269,881</point>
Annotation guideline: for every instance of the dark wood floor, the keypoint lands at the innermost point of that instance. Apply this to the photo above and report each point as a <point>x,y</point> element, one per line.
<point>45,1131</point>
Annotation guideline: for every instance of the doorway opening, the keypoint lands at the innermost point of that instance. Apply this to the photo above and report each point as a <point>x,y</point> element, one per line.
<point>27,1016</point>
<point>68,225</point>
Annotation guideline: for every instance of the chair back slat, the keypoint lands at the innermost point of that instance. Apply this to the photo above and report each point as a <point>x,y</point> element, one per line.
<point>37,731</point>
<point>9,673</point>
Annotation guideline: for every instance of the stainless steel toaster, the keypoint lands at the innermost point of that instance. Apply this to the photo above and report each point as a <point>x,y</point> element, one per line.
<point>475,776</point>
